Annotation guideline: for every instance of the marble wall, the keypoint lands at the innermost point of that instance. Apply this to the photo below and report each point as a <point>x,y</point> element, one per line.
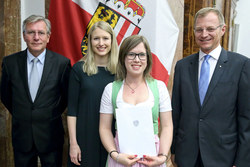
<point>9,43</point>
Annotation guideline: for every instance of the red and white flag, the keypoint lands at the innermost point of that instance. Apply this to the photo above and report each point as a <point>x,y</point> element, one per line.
<point>71,20</point>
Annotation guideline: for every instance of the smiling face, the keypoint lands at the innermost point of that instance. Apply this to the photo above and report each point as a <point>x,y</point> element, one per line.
<point>208,40</point>
<point>36,37</point>
<point>136,66</point>
<point>101,42</point>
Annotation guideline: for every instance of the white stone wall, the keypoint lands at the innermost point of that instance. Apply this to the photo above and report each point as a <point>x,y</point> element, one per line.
<point>243,21</point>
<point>29,7</point>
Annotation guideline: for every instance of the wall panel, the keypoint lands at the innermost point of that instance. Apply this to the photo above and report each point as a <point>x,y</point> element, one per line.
<point>9,43</point>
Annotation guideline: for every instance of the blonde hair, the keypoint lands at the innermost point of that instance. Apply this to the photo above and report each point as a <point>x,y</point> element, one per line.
<point>204,11</point>
<point>127,45</point>
<point>90,66</point>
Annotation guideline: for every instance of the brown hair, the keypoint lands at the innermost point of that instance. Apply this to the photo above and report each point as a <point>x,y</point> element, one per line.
<point>127,45</point>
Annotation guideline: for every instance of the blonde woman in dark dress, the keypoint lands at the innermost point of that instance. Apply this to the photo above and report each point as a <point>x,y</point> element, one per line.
<point>87,81</point>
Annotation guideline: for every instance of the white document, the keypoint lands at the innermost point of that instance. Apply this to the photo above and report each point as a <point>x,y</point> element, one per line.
<point>135,131</point>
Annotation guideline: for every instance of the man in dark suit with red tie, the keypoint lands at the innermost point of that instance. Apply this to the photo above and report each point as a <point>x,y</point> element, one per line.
<point>34,89</point>
<point>211,101</point>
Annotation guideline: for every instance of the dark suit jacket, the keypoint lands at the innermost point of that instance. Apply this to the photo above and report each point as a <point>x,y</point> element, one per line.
<point>220,128</point>
<point>39,122</point>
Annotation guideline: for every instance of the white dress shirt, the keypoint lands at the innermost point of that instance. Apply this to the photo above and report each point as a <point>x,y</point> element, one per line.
<point>40,64</point>
<point>215,54</point>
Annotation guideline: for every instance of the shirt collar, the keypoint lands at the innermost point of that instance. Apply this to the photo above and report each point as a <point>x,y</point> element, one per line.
<point>215,54</point>
<point>41,57</point>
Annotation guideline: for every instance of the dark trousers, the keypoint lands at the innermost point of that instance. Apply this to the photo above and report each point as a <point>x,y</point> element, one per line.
<point>30,159</point>
<point>199,162</point>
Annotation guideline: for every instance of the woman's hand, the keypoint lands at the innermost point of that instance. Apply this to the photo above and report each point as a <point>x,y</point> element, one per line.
<point>151,161</point>
<point>75,154</point>
<point>125,159</point>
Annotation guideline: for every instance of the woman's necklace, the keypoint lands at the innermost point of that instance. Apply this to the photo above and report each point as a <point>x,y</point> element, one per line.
<point>132,89</point>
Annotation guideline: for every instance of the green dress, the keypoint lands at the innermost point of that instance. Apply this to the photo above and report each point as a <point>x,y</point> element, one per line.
<point>84,103</point>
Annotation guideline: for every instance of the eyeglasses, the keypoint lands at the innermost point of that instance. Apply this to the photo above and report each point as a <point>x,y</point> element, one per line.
<point>33,33</point>
<point>132,56</point>
<point>208,29</point>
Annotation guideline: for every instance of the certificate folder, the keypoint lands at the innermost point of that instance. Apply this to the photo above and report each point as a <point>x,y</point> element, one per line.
<point>135,131</point>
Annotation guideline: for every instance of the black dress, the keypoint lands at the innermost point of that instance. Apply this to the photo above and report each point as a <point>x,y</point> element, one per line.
<point>84,103</point>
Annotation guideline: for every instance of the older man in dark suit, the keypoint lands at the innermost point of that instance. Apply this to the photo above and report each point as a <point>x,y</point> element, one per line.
<point>34,89</point>
<point>211,101</point>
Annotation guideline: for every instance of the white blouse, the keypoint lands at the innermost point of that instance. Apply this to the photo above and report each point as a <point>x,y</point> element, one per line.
<point>164,99</point>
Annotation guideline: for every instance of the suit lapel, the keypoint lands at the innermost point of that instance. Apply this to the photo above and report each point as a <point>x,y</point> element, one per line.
<point>193,70</point>
<point>22,62</point>
<point>218,71</point>
<point>46,70</point>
